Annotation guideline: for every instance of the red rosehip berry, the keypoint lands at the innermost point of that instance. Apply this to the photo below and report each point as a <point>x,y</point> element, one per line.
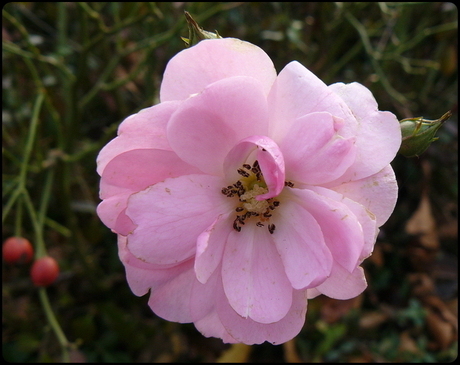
<point>17,250</point>
<point>44,271</point>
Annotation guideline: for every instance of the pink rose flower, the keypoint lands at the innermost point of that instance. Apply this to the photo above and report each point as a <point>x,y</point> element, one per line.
<point>244,193</point>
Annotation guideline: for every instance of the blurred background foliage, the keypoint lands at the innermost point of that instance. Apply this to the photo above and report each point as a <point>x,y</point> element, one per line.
<point>93,64</point>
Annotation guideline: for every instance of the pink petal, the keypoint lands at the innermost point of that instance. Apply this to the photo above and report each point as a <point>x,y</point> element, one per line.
<point>210,247</point>
<point>171,301</point>
<point>253,276</point>
<point>205,295</point>
<point>209,124</point>
<point>313,293</point>
<point>378,134</point>
<point>271,164</point>
<point>170,286</point>
<point>143,276</point>
<point>111,211</point>
<point>377,193</point>
<point>137,169</point>
<point>130,172</point>
<point>211,326</point>
<point>146,129</point>
<point>191,70</point>
<point>368,225</point>
<point>366,219</point>
<point>313,150</point>
<point>343,284</point>
<point>211,310</point>
<point>250,332</point>
<point>204,300</point>
<point>300,243</point>
<point>341,229</point>
<point>209,304</point>
<point>172,214</point>
<point>297,92</point>
<point>270,160</point>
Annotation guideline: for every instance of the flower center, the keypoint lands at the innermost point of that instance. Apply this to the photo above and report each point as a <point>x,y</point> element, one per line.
<point>250,185</point>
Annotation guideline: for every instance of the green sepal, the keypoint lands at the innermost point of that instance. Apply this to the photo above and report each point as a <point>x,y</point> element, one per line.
<point>196,33</point>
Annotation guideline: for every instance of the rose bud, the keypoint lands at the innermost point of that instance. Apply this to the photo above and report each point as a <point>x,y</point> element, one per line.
<point>418,134</point>
<point>196,33</point>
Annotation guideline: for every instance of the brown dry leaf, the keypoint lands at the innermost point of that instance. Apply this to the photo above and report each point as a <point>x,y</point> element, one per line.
<point>442,331</point>
<point>445,275</point>
<point>441,321</point>
<point>237,353</point>
<point>373,319</point>
<point>448,228</point>
<point>423,225</point>
<point>452,306</point>
<point>407,343</point>
<point>422,284</point>
<point>443,311</point>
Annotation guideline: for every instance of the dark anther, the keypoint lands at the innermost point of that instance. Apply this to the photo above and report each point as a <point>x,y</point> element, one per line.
<point>271,228</point>
<point>243,173</point>
<point>236,227</point>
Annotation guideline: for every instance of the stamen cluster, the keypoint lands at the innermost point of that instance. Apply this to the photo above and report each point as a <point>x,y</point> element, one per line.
<point>247,188</point>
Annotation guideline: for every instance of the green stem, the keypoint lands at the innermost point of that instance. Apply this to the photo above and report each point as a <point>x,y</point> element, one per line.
<point>362,32</point>
<point>12,48</point>
<point>54,324</point>
<point>38,221</point>
<point>27,152</point>
<point>40,248</point>
<point>31,137</point>
<point>46,195</point>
